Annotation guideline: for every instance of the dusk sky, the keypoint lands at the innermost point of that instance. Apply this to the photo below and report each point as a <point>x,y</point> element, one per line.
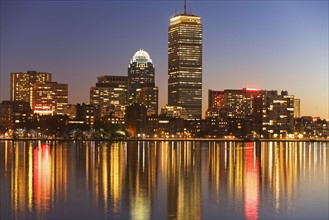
<point>272,45</point>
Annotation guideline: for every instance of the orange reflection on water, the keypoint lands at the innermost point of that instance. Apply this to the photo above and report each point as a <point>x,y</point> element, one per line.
<point>19,184</point>
<point>117,158</point>
<point>251,185</point>
<point>42,177</point>
<point>184,181</point>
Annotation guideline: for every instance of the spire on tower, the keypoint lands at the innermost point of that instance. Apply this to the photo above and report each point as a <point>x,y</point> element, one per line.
<point>184,6</point>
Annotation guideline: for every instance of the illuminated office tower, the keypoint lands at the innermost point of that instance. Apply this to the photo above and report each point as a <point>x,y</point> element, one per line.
<point>277,114</point>
<point>61,97</point>
<point>110,92</point>
<point>239,102</point>
<point>21,84</point>
<point>140,73</point>
<point>240,110</point>
<point>50,98</point>
<point>185,63</point>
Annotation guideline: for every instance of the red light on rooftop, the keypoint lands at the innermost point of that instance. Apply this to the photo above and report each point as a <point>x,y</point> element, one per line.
<point>252,89</point>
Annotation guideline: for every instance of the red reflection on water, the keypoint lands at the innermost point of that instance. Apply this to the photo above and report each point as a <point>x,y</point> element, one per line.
<point>251,186</point>
<point>41,176</point>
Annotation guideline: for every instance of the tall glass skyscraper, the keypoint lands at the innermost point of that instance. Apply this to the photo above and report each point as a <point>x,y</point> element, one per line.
<point>185,63</point>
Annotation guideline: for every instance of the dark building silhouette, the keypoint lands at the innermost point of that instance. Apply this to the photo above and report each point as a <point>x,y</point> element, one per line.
<point>136,120</point>
<point>87,113</point>
<point>148,96</point>
<point>15,114</point>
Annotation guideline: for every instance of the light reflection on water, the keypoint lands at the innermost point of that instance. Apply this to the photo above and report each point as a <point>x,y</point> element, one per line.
<point>176,180</point>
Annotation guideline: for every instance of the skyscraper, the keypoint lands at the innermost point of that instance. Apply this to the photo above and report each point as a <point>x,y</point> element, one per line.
<point>185,63</point>
<point>142,87</point>
<point>22,83</point>
<point>140,73</point>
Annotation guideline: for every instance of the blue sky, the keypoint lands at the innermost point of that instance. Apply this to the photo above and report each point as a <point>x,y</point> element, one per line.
<point>279,45</point>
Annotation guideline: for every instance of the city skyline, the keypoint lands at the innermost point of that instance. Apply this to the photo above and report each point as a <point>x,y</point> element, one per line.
<point>228,61</point>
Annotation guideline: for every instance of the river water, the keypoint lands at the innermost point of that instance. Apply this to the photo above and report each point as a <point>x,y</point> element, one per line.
<point>164,180</point>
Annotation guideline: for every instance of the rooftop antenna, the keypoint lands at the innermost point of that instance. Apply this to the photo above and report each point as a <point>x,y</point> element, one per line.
<point>184,6</point>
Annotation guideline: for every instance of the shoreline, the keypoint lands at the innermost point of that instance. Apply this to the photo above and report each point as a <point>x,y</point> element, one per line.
<point>168,139</point>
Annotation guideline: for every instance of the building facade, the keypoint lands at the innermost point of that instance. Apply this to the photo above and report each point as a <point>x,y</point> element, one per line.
<point>277,114</point>
<point>239,102</point>
<point>88,113</point>
<point>21,84</point>
<point>215,99</point>
<point>110,92</point>
<point>215,103</point>
<point>148,96</point>
<point>136,120</point>
<point>297,108</point>
<point>50,98</point>
<point>185,63</point>
<point>15,114</point>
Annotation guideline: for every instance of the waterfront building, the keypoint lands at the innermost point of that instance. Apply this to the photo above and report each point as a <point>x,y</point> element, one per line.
<point>50,98</point>
<point>153,125</point>
<point>250,112</point>
<point>15,114</point>
<point>239,110</point>
<point>277,114</point>
<point>311,127</point>
<point>6,119</point>
<point>21,84</point>
<point>174,112</point>
<point>185,63</point>
<point>88,114</point>
<point>136,120</point>
<point>171,126</point>
<point>110,92</point>
<point>239,102</point>
<point>216,127</point>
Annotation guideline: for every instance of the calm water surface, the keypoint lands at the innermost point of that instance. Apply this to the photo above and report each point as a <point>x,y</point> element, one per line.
<point>150,180</point>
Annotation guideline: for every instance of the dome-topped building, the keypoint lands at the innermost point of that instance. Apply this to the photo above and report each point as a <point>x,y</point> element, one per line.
<point>141,80</point>
<point>140,72</point>
<point>141,56</point>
